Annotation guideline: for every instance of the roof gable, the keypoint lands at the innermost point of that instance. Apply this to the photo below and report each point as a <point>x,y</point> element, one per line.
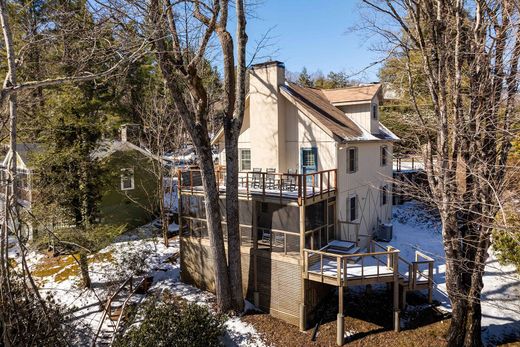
<point>323,111</point>
<point>352,94</point>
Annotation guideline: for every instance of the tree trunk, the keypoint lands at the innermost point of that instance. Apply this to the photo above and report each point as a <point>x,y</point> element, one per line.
<point>233,221</point>
<point>216,240</point>
<point>464,270</point>
<point>85,276</point>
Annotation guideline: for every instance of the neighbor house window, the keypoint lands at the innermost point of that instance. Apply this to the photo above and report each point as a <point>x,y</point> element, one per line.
<point>384,155</point>
<point>384,195</point>
<point>352,205</point>
<point>352,159</point>
<point>127,179</point>
<point>245,159</point>
<point>374,111</point>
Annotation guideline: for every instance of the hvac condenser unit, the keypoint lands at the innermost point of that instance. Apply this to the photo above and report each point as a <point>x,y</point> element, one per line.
<point>385,232</point>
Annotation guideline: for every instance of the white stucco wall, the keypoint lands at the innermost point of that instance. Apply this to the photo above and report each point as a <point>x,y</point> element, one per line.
<point>365,183</point>
<point>301,132</point>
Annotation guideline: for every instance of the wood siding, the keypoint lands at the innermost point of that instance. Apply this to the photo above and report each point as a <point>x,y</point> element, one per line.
<point>278,277</point>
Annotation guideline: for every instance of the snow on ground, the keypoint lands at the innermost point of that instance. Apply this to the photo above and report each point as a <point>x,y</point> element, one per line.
<point>114,264</point>
<point>417,229</point>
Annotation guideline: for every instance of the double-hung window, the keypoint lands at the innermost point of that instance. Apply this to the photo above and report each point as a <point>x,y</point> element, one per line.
<point>352,159</point>
<point>352,208</point>
<point>384,195</point>
<point>384,155</point>
<point>245,159</point>
<point>127,179</point>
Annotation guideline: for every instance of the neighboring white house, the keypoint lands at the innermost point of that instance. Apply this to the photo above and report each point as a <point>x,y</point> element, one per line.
<point>290,128</point>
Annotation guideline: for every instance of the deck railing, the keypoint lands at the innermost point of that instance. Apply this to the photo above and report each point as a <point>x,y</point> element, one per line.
<point>341,274</point>
<point>274,184</point>
<point>416,274</point>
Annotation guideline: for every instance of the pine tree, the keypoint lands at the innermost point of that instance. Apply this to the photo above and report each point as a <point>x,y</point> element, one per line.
<point>305,79</point>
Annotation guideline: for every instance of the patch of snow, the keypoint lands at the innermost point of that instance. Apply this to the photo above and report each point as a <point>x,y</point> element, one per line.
<point>416,229</point>
<point>84,305</point>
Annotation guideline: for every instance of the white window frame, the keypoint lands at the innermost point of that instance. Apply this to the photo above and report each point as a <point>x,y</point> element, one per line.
<point>349,199</point>
<point>132,180</point>
<point>383,153</point>
<point>374,111</point>
<point>240,164</point>
<point>356,159</point>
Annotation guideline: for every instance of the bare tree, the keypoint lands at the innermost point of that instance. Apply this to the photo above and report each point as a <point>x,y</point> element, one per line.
<point>468,53</point>
<point>14,319</point>
<point>182,66</point>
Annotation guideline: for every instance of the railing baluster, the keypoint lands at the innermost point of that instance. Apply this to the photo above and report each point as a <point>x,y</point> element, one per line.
<point>321,266</point>
<point>263,184</point>
<point>321,184</point>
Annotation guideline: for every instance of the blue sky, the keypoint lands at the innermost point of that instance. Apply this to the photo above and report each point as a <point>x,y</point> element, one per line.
<point>312,33</point>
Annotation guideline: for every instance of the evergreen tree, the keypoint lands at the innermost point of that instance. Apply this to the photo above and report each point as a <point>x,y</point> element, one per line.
<point>304,78</point>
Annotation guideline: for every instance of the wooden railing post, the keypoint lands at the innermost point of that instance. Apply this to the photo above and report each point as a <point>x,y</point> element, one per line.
<point>263,184</point>
<point>430,282</point>
<point>338,270</point>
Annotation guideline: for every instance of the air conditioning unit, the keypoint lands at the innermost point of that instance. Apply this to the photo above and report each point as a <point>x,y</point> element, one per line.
<point>385,232</point>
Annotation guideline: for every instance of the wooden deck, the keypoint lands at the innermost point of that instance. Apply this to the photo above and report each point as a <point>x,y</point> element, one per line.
<point>303,188</point>
<point>377,264</point>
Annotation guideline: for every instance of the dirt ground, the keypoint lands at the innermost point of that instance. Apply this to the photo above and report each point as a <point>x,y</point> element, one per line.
<point>368,322</point>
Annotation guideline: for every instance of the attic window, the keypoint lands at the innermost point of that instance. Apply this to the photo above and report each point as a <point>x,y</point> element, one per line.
<point>127,179</point>
<point>374,111</point>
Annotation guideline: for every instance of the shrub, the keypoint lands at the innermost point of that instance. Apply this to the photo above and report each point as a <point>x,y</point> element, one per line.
<point>506,243</point>
<point>174,323</point>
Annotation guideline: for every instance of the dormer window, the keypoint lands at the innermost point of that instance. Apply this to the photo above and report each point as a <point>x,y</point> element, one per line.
<point>374,111</point>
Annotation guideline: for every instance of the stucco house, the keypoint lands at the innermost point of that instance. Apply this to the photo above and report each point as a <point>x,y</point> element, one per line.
<point>290,128</point>
<point>314,189</point>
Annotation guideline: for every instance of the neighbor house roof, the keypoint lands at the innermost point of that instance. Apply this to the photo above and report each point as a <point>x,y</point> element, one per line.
<point>107,148</point>
<point>23,151</point>
<point>352,94</point>
<point>323,112</point>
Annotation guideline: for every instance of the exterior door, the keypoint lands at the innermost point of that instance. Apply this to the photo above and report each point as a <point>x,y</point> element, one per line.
<point>309,162</point>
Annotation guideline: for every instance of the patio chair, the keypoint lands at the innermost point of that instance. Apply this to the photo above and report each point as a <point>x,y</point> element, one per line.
<point>256,178</point>
<point>278,240</point>
<point>270,179</point>
<point>266,237</point>
<point>290,180</point>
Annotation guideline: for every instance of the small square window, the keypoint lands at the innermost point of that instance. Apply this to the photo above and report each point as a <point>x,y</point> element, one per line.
<point>127,179</point>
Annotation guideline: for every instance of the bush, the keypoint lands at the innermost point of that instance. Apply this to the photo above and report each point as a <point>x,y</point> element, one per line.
<point>506,243</point>
<point>174,323</point>
<point>30,321</point>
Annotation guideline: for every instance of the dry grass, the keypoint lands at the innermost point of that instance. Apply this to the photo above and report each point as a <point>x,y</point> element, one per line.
<point>64,267</point>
